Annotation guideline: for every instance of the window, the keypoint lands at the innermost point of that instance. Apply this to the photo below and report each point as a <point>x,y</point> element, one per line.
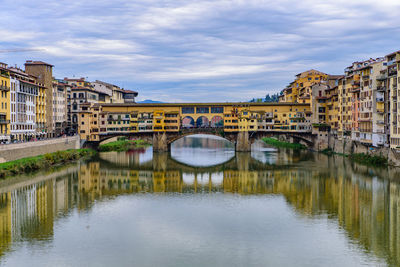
<point>202,110</point>
<point>217,109</point>
<point>187,110</point>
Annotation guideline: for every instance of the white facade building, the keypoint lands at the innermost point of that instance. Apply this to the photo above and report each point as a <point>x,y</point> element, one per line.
<point>23,94</point>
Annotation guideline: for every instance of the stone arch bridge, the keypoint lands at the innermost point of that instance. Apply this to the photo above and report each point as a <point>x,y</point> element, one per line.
<point>242,140</point>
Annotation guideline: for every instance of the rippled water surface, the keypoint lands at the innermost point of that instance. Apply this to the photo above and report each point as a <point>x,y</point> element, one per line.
<point>203,205</point>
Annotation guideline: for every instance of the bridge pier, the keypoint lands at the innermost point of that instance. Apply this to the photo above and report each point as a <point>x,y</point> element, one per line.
<point>243,143</point>
<point>160,143</point>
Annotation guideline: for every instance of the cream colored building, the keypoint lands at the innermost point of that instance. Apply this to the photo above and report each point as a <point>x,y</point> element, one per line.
<point>392,83</point>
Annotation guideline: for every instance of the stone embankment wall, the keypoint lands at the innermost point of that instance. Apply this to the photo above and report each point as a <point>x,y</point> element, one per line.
<point>29,149</point>
<point>348,147</point>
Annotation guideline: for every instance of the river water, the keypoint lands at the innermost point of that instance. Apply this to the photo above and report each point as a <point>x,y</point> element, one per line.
<point>203,205</point>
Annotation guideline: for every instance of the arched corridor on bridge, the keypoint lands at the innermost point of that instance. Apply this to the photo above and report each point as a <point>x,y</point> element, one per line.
<point>187,122</point>
<point>202,122</point>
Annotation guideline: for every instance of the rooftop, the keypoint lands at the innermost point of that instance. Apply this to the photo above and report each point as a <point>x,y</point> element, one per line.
<point>31,62</point>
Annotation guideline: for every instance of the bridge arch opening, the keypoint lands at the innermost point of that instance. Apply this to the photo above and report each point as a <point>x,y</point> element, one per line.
<point>202,150</point>
<point>202,122</point>
<point>217,122</point>
<point>188,122</point>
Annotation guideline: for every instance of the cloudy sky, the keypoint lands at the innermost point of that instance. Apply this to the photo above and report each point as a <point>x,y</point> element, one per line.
<point>174,51</point>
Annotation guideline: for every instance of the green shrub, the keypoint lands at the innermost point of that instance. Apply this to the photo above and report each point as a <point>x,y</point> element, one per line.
<point>42,161</point>
<point>122,145</point>
<point>369,159</point>
<point>328,151</point>
<point>277,143</point>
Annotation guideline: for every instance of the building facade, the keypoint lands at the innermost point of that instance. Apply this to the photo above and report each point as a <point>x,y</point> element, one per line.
<point>23,95</point>
<point>5,103</point>
<point>44,74</point>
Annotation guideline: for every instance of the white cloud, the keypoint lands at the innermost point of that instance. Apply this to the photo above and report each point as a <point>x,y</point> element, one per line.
<point>153,46</point>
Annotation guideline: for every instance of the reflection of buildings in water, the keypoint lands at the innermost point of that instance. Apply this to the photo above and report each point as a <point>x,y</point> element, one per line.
<point>366,207</point>
<point>198,141</point>
<point>268,157</point>
<point>129,158</point>
<point>5,222</point>
<point>28,212</point>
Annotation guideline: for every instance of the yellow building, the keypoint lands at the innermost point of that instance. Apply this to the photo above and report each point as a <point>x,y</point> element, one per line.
<point>248,120</point>
<point>393,80</point>
<point>158,121</point>
<point>299,91</point>
<point>134,122</point>
<point>41,111</point>
<point>103,119</point>
<point>5,103</point>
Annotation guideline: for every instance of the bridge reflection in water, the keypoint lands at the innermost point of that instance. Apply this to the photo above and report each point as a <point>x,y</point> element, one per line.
<point>360,200</point>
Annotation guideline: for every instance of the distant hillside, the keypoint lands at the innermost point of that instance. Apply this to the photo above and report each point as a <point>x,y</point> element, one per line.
<point>148,101</point>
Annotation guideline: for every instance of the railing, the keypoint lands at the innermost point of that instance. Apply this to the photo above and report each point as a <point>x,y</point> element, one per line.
<point>4,121</point>
<point>380,99</point>
<point>381,88</point>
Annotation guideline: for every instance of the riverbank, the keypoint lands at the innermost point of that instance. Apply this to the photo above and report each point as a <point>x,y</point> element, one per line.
<point>29,164</point>
<point>363,158</point>
<point>123,145</point>
<point>17,151</point>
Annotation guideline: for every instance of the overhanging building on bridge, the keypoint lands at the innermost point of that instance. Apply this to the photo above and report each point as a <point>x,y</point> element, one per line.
<point>98,122</point>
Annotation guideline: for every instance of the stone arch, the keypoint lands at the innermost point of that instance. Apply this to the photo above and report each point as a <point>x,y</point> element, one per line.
<point>217,121</point>
<point>202,122</point>
<point>187,122</point>
<point>286,137</point>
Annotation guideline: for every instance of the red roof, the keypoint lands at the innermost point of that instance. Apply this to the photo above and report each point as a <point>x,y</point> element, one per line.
<point>129,91</point>
<point>30,62</point>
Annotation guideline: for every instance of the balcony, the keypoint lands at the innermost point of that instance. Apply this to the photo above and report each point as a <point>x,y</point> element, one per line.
<point>380,99</point>
<point>381,88</point>
<point>392,72</point>
<point>4,121</point>
<point>380,122</point>
<point>381,77</point>
<point>4,88</point>
<point>365,77</point>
